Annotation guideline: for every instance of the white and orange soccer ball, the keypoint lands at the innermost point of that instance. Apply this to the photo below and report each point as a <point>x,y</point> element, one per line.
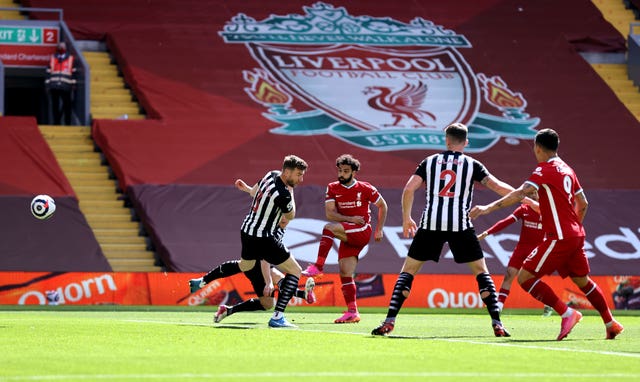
<point>43,207</point>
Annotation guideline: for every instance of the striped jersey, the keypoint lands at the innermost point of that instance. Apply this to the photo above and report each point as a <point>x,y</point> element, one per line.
<point>272,199</point>
<point>449,178</point>
<point>557,184</point>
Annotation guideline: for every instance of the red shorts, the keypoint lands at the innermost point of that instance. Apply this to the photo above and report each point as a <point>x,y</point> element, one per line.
<point>357,238</point>
<point>565,256</point>
<point>520,253</point>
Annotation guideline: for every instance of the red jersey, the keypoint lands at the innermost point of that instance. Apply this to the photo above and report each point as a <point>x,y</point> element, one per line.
<point>531,231</point>
<point>353,200</point>
<point>557,185</point>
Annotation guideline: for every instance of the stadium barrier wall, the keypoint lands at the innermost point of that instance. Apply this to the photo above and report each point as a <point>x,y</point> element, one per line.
<point>374,290</point>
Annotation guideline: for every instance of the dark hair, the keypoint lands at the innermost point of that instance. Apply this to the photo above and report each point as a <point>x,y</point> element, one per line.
<point>348,160</point>
<point>548,139</point>
<point>457,131</point>
<point>293,162</point>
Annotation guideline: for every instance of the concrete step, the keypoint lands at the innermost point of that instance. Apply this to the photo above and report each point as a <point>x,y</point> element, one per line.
<point>103,197</point>
<point>101,106</point>
<point>135,268</point>
<point>85,154</point>
<point>109,184</point>
<point>116,232</point>
<point>116,116</point>
<point>126,250</point>
<point>98,175</point>
<point>127,238</point>
<point>64,129</point>
<point>92,190</point>
<point>123,225</point>
<point>104,109</point>
<point>96,206</point>
<point>11,15</point>
<point>107,85</point>
<point>64,147</point>
<point>123,96</point>
<point>84,164</point>
<point>125,216</point>
<point>124,264</point>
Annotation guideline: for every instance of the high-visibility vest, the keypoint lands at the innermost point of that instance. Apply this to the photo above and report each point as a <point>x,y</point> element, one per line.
<point>61,72</point>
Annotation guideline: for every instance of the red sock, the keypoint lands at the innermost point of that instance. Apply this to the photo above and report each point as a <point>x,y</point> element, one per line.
<point>349,293</point>
<point>543,292</point>
<point>325,246</point>
<point>502,296</point>
<point>596,298</point>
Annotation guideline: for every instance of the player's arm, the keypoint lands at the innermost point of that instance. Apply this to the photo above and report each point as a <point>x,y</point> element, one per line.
<point>499,226</point>
<point>292,204</point>
<point>243,186</point>
<point>382,217</point>
<point>581,204</point>
<point>513,197</point>
<point>501,188</point>
<point>409,226</point>
<point>333,215</point>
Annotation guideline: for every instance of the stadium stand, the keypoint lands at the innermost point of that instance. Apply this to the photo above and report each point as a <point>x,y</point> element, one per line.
<point>65,242</point>
<point>203,128</point>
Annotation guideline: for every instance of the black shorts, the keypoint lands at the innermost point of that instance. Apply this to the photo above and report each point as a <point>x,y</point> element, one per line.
<point>269,249</point>
<point>256,278</point>
<point>427,245</point>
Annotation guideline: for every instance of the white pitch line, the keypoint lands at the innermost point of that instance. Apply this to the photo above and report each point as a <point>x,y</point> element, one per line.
<point>271,375</point>
<point>475,342</point>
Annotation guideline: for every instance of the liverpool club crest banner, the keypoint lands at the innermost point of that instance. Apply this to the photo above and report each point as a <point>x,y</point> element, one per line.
<point>375,83</point>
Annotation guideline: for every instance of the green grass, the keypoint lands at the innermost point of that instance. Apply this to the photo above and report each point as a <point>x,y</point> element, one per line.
<point>109,343</point>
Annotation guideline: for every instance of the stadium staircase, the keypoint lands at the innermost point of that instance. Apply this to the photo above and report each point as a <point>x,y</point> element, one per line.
<point>113,225</point>
<point>112,222</point>
<point>10,15</point>
<point>110,99</point>
<point>616,75</point>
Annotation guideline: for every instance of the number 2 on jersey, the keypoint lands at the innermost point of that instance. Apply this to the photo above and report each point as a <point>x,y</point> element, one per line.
<point>445,192</point>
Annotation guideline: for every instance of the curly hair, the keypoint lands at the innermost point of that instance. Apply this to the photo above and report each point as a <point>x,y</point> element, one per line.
<point>348,160</point>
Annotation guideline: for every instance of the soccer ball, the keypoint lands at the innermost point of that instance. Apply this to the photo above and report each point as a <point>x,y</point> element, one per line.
<point>43,207</point>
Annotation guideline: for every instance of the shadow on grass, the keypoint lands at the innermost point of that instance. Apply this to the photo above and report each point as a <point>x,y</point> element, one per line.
<point>237,325</point>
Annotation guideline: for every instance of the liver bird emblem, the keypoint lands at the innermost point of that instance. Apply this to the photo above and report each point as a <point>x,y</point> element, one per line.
<point>404,103</point>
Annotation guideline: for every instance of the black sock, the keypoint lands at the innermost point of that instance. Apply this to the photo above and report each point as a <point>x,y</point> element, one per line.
<point>397,298</point>
<point>485,284</point>
<point>300,293</point>
<point>288,287</point>
<point>250,305</point>
<point>226,269</point>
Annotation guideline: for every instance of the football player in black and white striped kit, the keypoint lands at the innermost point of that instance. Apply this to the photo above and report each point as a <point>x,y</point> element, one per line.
<point>448,178</point>
<point>259,231</point>
<point>263,276</point>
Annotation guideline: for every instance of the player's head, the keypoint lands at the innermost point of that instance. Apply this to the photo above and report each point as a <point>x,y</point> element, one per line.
<point>456,134</point>
<point>347,166</point>
<point>547,140</point>
<point>293,169</point>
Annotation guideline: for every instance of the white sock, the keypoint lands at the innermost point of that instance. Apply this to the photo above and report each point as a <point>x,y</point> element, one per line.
<point>277,315</point>
<point>568,313</point>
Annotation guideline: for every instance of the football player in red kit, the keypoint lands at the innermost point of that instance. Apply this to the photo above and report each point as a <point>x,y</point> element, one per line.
<point>347,207</point>
<point>563,206</point>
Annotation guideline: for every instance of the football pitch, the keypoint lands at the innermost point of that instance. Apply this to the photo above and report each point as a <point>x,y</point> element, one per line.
<point>117,343</point>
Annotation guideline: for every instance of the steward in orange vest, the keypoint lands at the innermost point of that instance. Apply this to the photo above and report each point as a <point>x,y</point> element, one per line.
<point>60,84</point>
